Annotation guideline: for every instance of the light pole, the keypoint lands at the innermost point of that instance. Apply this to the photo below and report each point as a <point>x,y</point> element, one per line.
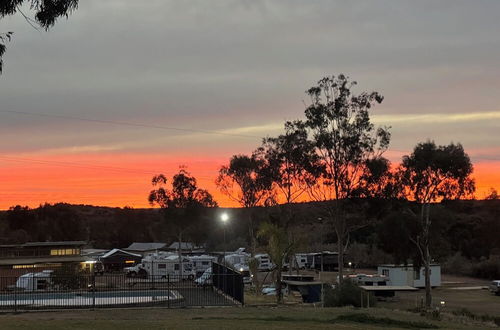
<point>224,218</point>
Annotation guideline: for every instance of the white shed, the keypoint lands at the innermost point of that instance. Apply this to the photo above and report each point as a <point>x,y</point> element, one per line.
<point>401,275</point>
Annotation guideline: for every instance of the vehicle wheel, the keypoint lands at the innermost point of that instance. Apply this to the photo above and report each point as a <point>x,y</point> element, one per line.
<point>132,274</point>
<point>143,273</point>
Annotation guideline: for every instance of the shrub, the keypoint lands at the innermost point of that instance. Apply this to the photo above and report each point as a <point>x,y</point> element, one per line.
<point>458,265</point>
<point>489,268</point>
<point>348,294</point>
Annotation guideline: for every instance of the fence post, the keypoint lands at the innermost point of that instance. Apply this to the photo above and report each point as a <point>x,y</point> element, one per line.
<point>93,291</point>
<point>242,290</point>
<point>168,290</point>
<point>15,298</point>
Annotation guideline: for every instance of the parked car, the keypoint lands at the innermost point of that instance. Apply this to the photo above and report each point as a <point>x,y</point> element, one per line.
<point>495,287</point>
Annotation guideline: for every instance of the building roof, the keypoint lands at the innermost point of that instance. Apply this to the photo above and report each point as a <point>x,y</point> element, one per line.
<point>93,252</point>
<point>387,288</point>
<point>145,246</point>
<point>402,266</point>
<point>61,243</point>
<point>113,251</point>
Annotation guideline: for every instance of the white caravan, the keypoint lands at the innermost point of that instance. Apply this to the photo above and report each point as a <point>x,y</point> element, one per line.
<point>35,281</point>
<point>265,263</point>
<point>301,260</point>
<point>201,263</point>
<point>163,266</point>
<point>238,261</point>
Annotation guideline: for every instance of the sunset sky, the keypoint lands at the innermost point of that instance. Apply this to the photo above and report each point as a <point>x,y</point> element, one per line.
<point>87,109</point>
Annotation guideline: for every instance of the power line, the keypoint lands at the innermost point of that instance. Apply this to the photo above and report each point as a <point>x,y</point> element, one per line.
<point>123,123</point>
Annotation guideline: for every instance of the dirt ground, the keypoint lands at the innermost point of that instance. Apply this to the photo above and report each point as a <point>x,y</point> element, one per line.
<point>477,299</point>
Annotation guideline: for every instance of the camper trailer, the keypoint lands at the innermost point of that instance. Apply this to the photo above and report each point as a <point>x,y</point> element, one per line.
<point>301,260</point>
<point>163,266</point>
<point>264,261</point>
<point>35,281</point>
<point>238,261</point>
<point>201,263</point>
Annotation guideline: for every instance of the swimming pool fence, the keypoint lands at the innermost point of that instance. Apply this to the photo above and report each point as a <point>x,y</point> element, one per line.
<point>39,291</point>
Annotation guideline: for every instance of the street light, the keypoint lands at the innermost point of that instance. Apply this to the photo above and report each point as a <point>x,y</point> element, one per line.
<point>224,217</point>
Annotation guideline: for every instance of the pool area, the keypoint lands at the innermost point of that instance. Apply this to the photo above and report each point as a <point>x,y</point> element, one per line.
<point>89,299</point>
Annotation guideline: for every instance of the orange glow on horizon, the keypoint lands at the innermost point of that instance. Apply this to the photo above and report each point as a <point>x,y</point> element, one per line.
<point>119,180</point>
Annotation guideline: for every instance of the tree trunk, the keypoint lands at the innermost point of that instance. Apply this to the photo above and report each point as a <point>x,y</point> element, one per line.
<point>340,247</point>
<point>427,271</point>
<point>279,293</point>
<point>427,260</point>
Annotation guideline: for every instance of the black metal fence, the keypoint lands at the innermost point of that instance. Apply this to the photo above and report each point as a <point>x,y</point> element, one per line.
<point>228,281</point>
<point>45,291</point>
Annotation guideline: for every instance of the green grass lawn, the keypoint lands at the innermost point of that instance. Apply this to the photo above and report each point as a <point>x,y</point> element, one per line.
<point>231,318</point>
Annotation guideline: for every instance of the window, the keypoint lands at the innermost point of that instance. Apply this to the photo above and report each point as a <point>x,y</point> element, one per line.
<point>176,266</point>
<point>64,252</point>
<point>162,266</point>
<point>385,272</point>
<point>416,274</point>
<point>204,263</point>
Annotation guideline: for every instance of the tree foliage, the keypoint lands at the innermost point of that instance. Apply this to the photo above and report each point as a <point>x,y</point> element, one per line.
<point>278,247</point>
<point>183,201</point>
<point>291,161</point>
<point>432,173</point>
<point>246,180</point>
<point>46,14</point>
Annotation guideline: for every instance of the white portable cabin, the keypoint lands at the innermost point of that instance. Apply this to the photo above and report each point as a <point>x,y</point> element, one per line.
<point>35,281</point>
<point>406,275</point>
<point>202,263</point>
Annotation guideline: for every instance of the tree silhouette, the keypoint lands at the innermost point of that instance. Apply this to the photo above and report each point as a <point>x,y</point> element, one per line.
<point>344,138</point>
<point>46,14</point>
<point>432,173</point>
<point>247,181</point>
<point>180,204</point>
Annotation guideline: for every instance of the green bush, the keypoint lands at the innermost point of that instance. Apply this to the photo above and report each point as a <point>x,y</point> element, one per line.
<point>348,294</point>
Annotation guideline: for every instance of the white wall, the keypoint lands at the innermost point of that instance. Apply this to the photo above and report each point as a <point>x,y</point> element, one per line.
<point>405,276</point>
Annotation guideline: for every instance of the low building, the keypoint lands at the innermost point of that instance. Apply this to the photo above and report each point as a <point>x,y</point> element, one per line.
<point>146,248</point>
<point>116,259</point>
<point>406,275</point>
<point>35,257</point>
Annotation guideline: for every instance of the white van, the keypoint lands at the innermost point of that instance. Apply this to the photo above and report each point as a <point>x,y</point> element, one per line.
<point>495,287</point>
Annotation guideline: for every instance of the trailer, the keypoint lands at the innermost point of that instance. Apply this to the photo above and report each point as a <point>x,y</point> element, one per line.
<point>34,281</point>
<point>264,261</point>
<point>162,266</point>
<point>201,263</point>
